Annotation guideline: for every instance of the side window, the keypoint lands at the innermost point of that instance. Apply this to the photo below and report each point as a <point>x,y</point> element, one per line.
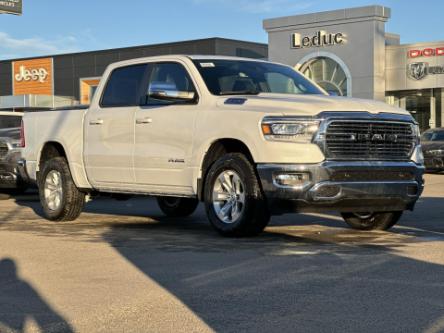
<point>124,86</point>
<point>171,77</point>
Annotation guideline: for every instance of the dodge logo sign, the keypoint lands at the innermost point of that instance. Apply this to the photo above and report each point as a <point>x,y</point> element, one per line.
<point>417,70</point>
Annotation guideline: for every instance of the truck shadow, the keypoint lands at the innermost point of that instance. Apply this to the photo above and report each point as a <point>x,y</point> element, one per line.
<point>291,279</point>
<point>303,274</point>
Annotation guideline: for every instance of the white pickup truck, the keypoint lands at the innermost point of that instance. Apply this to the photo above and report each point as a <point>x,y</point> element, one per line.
<point>248,138</point>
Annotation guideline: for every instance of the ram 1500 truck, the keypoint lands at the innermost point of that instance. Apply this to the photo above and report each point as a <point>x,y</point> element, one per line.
<point>248,138</point>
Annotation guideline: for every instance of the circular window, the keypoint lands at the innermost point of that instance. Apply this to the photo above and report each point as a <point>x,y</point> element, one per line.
<point>328,74</point>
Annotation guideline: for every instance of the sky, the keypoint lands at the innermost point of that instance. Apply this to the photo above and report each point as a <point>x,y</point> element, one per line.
<point>50,27</point>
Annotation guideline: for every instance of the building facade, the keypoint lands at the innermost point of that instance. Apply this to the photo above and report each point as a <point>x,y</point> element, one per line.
<point>50,80</point>
<point>349,53</point>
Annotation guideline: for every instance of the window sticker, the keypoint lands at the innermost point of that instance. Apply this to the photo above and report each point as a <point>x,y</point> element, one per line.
<point>207,65</point>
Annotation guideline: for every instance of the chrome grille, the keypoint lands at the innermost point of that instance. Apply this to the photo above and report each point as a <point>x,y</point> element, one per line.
<point>3,150</point>
<point>369,140</point>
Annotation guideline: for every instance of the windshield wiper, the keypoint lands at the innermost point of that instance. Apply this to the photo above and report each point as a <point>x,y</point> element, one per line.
<point>239,92</point>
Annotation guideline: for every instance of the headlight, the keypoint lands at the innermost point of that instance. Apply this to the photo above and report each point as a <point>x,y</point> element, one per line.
<point>418,156</point>
<point>289,129</point>
<point>416,133</point>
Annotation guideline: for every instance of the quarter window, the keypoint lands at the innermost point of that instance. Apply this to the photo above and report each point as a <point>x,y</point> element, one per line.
<point>124,86</point>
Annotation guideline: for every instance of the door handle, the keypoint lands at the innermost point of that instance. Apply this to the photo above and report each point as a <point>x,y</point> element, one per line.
<point>144,121</point>
<point>96,122</point>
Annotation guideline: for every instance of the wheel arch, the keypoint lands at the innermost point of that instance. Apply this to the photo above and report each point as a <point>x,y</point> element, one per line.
<point>215,150</point>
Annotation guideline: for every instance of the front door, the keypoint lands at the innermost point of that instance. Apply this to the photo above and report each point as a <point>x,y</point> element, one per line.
<point>109,130</point>
<point>164,133</point>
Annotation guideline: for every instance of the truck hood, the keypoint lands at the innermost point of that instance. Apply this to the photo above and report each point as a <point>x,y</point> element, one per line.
<point>309,105</point>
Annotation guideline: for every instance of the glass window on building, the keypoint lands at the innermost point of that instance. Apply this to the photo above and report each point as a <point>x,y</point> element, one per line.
<point>425,105</point>
<point>328,74</point>
<point>88,87</point>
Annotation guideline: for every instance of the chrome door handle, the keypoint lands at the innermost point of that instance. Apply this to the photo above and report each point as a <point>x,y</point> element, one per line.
<point>144,121</point>
<point>96,122</point>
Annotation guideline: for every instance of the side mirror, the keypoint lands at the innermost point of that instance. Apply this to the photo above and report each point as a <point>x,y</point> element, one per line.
<point>169,92</point>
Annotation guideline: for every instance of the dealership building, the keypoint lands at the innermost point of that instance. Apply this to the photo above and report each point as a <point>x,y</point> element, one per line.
<point>72,78</point>
<point>348,52</point>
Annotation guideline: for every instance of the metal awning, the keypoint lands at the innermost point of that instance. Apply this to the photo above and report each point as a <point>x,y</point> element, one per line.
<point>35,101</point>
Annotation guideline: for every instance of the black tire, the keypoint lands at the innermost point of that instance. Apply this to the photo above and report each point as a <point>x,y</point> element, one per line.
<point>254,215</point>
<point>372,221</point>
<point>177,207</point>
<point>72,200</point>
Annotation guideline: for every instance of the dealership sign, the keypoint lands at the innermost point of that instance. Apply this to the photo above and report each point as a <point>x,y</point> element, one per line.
<point>427,52</point>
<point>319,39</point>
<point>11,7</point>
<point>34,76</point>
<point>419,70</point>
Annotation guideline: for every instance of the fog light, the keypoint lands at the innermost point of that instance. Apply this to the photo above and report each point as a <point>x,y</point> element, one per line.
<point>412,190</point>
<point>292,179</point>
<point>328,191</point>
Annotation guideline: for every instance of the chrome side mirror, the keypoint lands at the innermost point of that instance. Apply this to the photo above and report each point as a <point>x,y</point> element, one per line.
<point>169,92</point>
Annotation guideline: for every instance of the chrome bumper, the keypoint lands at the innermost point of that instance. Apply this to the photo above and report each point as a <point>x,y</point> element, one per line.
<point>343,186</point>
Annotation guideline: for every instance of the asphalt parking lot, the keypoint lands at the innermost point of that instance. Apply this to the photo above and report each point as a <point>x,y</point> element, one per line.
<point>122,267</point>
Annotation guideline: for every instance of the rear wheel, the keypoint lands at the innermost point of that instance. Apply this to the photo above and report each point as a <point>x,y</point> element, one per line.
<point>233,198</point>
<point>177,207</point>
<point>60,198</point>
<point>372,221</point>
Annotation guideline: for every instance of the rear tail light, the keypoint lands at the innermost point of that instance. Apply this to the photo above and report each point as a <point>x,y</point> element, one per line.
<point>22,135</point>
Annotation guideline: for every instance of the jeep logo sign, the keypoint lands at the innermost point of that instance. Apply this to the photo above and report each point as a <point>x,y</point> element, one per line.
<point>38,74</point>
<point>34,76</point>
<point>319,39</point>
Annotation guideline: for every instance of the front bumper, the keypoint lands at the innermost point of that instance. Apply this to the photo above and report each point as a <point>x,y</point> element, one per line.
<point>343,186</point>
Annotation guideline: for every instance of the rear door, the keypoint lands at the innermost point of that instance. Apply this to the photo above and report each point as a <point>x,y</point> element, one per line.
<point>164,133</point>
<point>109,129</point>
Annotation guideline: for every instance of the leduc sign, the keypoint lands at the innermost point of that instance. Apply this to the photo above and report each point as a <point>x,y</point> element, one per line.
<point>319,39</point>
<point>11,7</point>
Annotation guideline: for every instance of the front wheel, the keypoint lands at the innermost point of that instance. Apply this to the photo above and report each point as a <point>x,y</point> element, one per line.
<point>177,207</point>
<point>233,198</point>
<point>60,198</point>
<point>372,221</point>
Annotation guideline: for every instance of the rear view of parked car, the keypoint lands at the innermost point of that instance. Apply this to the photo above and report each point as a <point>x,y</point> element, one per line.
<point>10,153</point>
<point>433,149</point>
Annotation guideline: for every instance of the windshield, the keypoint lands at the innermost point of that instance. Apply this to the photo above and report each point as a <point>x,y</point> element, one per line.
<point>433,136</point>
<point>235,77</point>
<point>10,127</point>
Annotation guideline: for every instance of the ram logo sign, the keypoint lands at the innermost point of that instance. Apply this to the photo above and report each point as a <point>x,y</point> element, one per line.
<point>417,70</point>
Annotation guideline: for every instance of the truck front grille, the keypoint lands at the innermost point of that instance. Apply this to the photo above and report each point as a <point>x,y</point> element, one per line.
<point>369,140</point>
<point>3,150</point>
